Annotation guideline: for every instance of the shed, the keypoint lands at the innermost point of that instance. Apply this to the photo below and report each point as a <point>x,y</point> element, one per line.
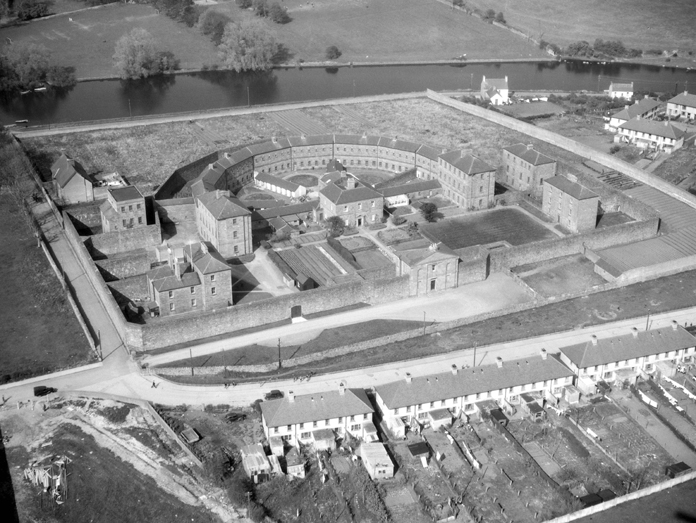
<point>254,460</point>
<point>275,465</point>
<point>590,500</point>
<point>370,432</point>
<point>324,439</point>
<point>189,435</point>
<point>678,469</point>
<point>603,387</point>
<point>377,460</point>
<point>277,445</point>
<point>419,449</point>
<point>440,418</point>
<point>498,416</point>
<point>295,463</point>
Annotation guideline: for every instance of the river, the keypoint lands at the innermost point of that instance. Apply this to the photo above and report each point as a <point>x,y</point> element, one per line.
<point>96,100</point>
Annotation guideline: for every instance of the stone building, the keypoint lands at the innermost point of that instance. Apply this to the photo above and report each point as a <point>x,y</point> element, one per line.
<point>495,90</point>
<point>123,209</point>
<point>466,180</point>
<point>525,169</point>
<point>430,269</point>
<point>224,222</point>
<point>195,278</point>
<point>71,181</point>
<point>570,204</point>
<point>358,205</point>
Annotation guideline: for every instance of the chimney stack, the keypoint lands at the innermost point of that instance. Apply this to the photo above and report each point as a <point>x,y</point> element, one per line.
<point>674,325</point>
<point>342,388</point>
<point>454,369</point>
<point>634,331</point>
<point>499,362</point>
<point>594,340</point>
<point>530,146</point>
<point>350,182</point>
<point>408,377</point>
<point>291,396</point>
<point>177,270</point>
<point>505,78</point>
<point>543,354</point>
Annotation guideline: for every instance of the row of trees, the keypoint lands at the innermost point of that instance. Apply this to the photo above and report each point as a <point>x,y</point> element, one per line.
<point>275,11</point>
<point>600,49</point>
<point>28,66</point>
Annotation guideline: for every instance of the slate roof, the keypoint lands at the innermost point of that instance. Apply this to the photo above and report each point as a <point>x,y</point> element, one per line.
<point>285,210</point>
<point>684,99</point>
<point>376,454</point>
<point>632,345</point>
<point>311,139</point>
<point>621,87</point>
<point>334,165</point>
<point>426,255</point>
<point>340,196</point>
<point>65,168</point>
<point>164,280</point>
<point>329,177</point>
<point>466,163</point>
<point>278,182</point>
<point>575,190</point>
<point>411,187</point>
<point>529,155</point>
<point>432,153</point>
<point>664,129</point>
<point>639,108</point>
<point>254,457</point>
<point>124,194</point>
<point>476,380</point>
<point>206,260</point>
<point>401,145</point>
<point>315,407</point>
<point>221,206</point>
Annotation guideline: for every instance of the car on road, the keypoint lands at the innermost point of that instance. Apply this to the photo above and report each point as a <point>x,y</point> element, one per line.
<point>42,390</point>
<point>273,395</point>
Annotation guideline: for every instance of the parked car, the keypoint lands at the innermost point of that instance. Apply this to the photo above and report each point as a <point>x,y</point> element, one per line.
<point>273,395</point>
<point>42,390</point>
<point>231,417</point>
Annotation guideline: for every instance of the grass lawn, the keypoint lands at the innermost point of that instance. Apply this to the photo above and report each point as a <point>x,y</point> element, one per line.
<point>678,166</point>
<point>511,225</point>
<point>328,339</point>
<point>307,180</point>
<point>88,41</point>
<point>389,30</point>
<point>644,24</point>
<point>101,487</point>
<point>38,328</point>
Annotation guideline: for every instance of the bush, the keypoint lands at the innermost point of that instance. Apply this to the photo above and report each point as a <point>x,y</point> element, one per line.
<point>244,4</point>
<point>260,7</point>
<point>333,52</point>
<point>614,149</point>
<point>30,9</point>
<point>212,23</point>
<point>278,14</point>
<point>500,18</point>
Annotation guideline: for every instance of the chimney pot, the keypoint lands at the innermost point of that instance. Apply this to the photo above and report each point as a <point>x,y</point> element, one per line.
<point>594,340</point>
<point>634,331</point>
<point>454,369</point>
<point>291,396</point>
<point>341,388</point>
<point>499,362</point>
<point>674,325</point>
<point>408,377</point>
<point>543,354</point>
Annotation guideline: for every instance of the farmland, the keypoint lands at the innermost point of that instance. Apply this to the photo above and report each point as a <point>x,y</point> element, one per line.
<point>511,225</point>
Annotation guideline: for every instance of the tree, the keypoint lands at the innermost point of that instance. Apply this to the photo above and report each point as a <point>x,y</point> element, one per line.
<point>212,23</point>
<point>500,18</point>
<point>4,8</point>
<point>261,7</point>
<point>429,212</point>
<point>335,225</point>
<point>244,4</point>
<point>489,15</point>
<point>30,9</point>
<point>458,3</point>
<point>278,14</point>
<point>27,66</point>
<point>247,46</point>
<point>137,56</point>
<point>333,52</point>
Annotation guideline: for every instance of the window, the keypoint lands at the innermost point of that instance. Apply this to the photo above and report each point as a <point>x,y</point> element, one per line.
<point>212,277</point>
<point>289,428</point>
<point>352,418</point>
<point>340,420</point>
<point>123,209</point>
<point>275,430</point>
<point>234,221</point>
<point>305,435</point>
<point>234,234</point>
<point>432,404</point>
<point>171,294</point>
<point>365,416</point>
<point>355,428</point>
<point>314,424</point>
<point>130,208</point>
<point>301,426</point>
<point>125,223</point>
<point>193,290</point>
<point>140,220</point>
<point>171,306</point>
<point>193,302</point>
<point>326,423</point>
<point>213,291</point>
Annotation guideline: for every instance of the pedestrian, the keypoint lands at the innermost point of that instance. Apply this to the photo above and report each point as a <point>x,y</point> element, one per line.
<point>153,385</point>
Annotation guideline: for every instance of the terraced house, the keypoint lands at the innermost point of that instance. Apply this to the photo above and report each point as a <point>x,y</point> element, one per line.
<point>682,106</point>
<point>649,134</point>
<point>358,205</point>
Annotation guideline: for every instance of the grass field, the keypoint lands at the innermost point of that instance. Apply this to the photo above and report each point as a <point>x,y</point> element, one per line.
<point>511,225</point>
<point>560,276</point>
<point>532,109</point>
<point>86,40</point>
<point>644,24</point>
<point>38,328</point>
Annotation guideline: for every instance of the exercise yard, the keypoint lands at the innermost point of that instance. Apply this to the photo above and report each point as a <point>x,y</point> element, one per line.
<point>567,275</point>
<point>482,228</point>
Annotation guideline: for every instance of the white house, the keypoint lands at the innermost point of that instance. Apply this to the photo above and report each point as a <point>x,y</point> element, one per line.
<point>376,460</point>
<point>645,109</point>
<point>650,134</point>
<point>682,106</point>
<point>421,399</point>
<point>278,185</point>
<point>630,355</point>
<point>621,90</point>
<point>308,419</point>
<point>496,90</point>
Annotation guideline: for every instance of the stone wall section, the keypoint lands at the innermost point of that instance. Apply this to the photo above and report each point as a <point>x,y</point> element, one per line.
<point>129,289</point>
<point>125,265</point>
<point>102,245</point>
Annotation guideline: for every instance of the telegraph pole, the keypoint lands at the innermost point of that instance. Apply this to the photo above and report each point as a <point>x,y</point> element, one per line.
<point>280,362</point>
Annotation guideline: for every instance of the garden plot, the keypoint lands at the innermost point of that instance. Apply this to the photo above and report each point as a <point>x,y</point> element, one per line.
<point>481,228</point>
<point>320,262</point>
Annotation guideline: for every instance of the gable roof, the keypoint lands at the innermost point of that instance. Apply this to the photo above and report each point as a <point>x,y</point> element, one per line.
<point>466,163</point>
<point>163,279</point>
<point>278,182</point>
<point>426,255</point>
<point>285,210</point>
<point>221,206</point>
<point>627,346</point>
<point>334,165</point>
<point>575,190</point>
<point>664,129</point>
<point>429,152</point>
<point>476,380</point>
<point>684,98</point>
<point>124,194</point>
<point>340,196</point>
<point>206,260</point>
<point>315,407</point>
<point>528,154</point>
<point>621,87</point>
<point>411,187</point>
<point>639,108</point>
<point>65,168</point>
<point>311,139</point>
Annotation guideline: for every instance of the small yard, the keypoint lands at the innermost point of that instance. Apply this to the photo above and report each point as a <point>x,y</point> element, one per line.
<point>481,228</point>
<point>560,276</point>
<point>306,180</point>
